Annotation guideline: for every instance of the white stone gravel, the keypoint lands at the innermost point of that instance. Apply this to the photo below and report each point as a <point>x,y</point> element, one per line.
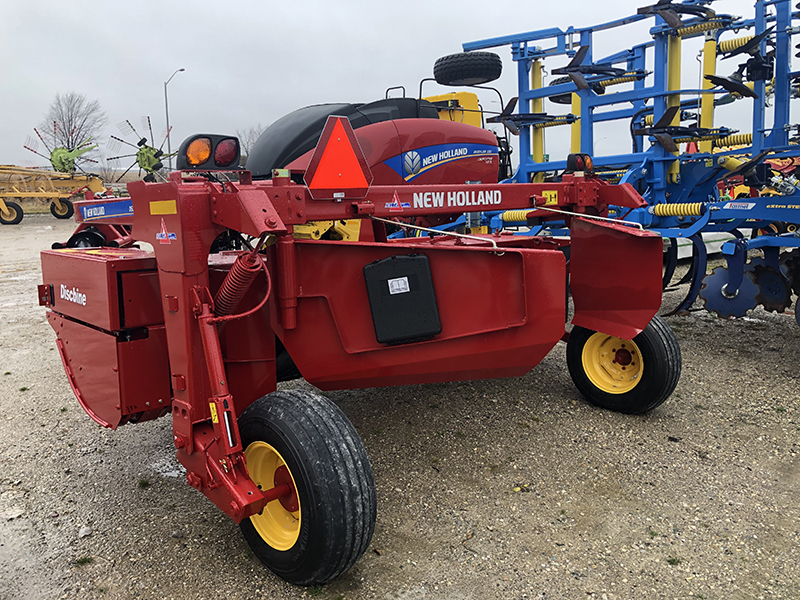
<point>513,488</point>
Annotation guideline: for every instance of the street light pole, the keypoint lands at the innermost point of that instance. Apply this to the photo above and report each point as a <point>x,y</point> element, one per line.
<point>166,109</point>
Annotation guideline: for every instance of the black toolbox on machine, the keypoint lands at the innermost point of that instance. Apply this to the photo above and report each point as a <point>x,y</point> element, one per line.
<point>402,299</point>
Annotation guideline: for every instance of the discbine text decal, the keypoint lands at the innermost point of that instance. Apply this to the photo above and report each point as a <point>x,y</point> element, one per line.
<point>73,295</point>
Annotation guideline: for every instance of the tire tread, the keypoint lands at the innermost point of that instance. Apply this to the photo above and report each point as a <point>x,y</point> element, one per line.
<point>658,337</point>
<point>341,476</point>
<point>468,68</point>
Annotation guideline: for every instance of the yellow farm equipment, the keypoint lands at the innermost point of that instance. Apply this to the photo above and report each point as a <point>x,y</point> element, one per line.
<point>17,183</point>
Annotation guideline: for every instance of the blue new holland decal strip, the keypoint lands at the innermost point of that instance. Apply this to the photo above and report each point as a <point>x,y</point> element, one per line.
<point>107,210</point>
<point>414,163</point>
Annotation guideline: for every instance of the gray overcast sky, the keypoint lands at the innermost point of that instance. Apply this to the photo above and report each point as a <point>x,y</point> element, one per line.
<point>251,62</point>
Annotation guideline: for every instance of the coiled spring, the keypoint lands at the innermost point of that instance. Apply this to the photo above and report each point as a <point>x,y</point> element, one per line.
<point>566,120</point>
<point>236,284</point>
<point>732,44</point>
<point>699,28</point>
<point>738,139</point>
<point>515,216</point>
<point>626,78</point>
<point>679,209</point>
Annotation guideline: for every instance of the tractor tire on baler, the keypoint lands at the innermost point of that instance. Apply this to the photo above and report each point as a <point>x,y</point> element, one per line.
<point>627,376</point>
<point>13,214</point>
<point>319,531</point>
<point>64,213</point>
<point>468,68</point>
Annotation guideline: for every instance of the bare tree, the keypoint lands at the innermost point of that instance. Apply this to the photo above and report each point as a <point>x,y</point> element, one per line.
<point>71,121</point>
<point>247,139</point>
<point>105,171</point>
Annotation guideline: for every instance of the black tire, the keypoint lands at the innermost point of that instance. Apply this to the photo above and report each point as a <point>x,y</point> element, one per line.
<point>334,484</point>
<point>88,238</point>
<point>468,68</point>
<point>14,214</point>
<point>654,360</point>
<point>561,98</point>
<point>66,213</point>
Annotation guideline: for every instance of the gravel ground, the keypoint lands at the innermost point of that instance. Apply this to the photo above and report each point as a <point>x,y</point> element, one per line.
<point>513,488</point>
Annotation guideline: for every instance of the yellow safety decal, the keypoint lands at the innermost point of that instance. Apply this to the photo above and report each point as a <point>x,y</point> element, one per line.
<point>214,417</point>
<point>108,252</point>
<point>552,197</point>
<point>164,207</point>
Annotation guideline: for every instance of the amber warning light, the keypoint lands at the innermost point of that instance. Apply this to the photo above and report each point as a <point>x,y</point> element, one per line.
<point>208,152</point>
<point>198,151</point>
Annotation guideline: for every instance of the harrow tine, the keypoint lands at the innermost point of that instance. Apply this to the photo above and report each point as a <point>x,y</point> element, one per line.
<point>746,166</point>
<point>578,58</point>
<point>667,142</point>
<point>699,263</point>
<point>732,85</point>
<point>579,80</point>
<point>689,274</point>
<point>667,117</point>
<point>509,108</point>
<point>671,18</point>
<point>671,262</point>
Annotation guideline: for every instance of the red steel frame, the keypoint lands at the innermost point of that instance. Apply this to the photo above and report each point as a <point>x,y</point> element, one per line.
<point>501,298</point>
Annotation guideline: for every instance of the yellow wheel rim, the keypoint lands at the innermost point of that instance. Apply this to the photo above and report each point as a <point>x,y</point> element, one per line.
<point>276,525</point>
<point>60,211</point>
<point>612,364</point>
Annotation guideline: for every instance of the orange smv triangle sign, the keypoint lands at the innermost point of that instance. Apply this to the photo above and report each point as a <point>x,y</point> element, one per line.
<point>338,168</point>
